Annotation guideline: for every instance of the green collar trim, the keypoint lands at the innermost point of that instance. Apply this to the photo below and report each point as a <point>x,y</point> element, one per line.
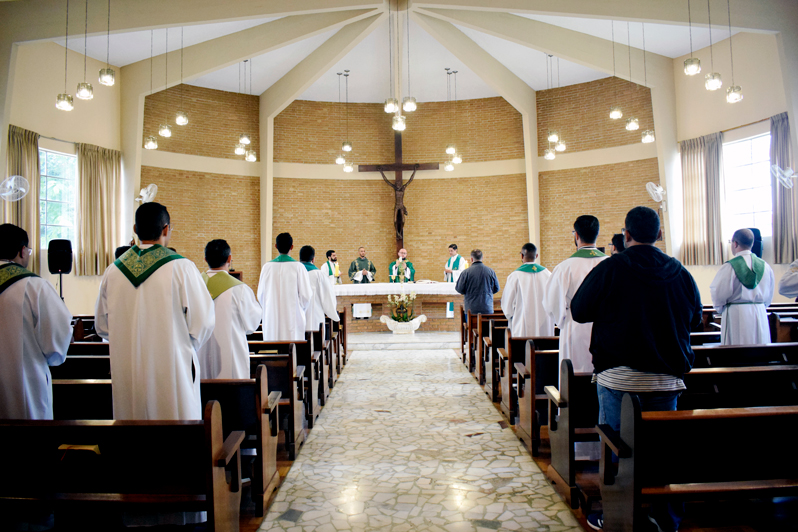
<point>748,277</point>
<point>283,258</point>
<point>588,253</point>
<point>10,273</point>
<point>139,264</point>
<point>531,267</point>
<point>220,283</point>
<point>309,266</point>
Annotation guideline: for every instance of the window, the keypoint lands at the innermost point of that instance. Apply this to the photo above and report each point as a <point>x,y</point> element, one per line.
<point>57,196</point>
<point>749,200</point>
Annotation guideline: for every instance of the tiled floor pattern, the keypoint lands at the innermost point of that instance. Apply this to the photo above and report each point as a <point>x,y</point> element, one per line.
<point>409,442</point>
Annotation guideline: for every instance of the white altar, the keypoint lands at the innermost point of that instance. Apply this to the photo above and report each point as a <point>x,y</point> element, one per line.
<point>384,289</point>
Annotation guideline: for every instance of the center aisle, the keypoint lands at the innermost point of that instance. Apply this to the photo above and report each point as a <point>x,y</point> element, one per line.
<point>409,442</point>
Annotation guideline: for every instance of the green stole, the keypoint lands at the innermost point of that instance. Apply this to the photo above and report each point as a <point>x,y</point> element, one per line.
<point>455,264</point>
<point>749,277</point>
<point>330,269</point>
<point>309,266</point>
<point>138,264</point>
<point>283,258</point>
<point>587,253</point>
<point>220,283</point>
<point>408,269</point>
<point>12,272</point>
<point>531,267</point>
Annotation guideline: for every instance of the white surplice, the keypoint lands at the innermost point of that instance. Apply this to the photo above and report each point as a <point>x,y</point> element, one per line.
<point>563,284</point>
<point>453,277</point>
<point>35,333</point>
<point>323,302</point>
<point>226,354</point>
<point>154,332</point>
<point>742,323</point>
<point>522,303</point>
<point>284,292</point>
<point>788,285</point>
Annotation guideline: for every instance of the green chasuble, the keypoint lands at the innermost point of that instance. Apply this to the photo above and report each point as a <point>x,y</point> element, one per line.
<point>531,267</point>
<point>748,277</point>
<point>588,253</point>
<point>309,266</point>
<point>220,283</point>
<point>410,272</point>
<point>12,272</point>
<point>138,264</point>
<point>283,258</point>
<point>361,264</point>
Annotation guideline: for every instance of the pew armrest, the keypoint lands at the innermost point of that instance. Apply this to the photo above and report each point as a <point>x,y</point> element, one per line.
<point>714,325</point>
<point>554,396</point>
<point>300,378</point>
<point>502,360</point>
<point>231,447</point>
<point>274,400</point>
<point>612,439</point>
<point>521,370</point>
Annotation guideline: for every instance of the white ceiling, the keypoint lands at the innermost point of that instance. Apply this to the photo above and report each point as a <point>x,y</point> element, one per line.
<point>368,61</point>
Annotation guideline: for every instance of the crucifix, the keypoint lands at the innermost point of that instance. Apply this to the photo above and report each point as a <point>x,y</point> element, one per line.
<point>398,184</point>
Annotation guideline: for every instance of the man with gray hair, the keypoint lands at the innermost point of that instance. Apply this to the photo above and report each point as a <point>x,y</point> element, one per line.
<point>478,284</point>
<point>741,291</point>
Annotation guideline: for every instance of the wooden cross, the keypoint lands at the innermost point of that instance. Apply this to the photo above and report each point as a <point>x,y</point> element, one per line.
<point>400,211</point>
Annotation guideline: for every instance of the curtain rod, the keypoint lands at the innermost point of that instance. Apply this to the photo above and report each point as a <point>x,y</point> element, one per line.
<point>744,125</point>
<point>59,140</point>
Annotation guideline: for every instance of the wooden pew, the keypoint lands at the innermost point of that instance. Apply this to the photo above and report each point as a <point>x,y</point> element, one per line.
<point>540,369</point>
<point>702,338</point>
<point>83,367</point>
<point>88,349</point>
<point>740,387</point>
<point>184,466</point>
<point>331,329</point>
<point>783,327</point>
<point>344,351</point>
<point>687,455</point>
<point>478,331</point>
<point>463,333</point>
<point>497,334</point>
<point>745,355</point>
<point>324,346</point>
<point>286,377</point>
<point>515,351</point>
<point>483,352</point>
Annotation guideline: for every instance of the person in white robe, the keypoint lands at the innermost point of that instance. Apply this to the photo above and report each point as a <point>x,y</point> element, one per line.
<point>156,313</point>
<point>522,299</point>
<point>324,301</point>
<point>741,291</point>
<point>563,284</point>
<point>788,285</point>
<point>331,269</point>
<point>455,265</point>
<point>284,292</point>
<point>238,313</point>
<point>35,331</point>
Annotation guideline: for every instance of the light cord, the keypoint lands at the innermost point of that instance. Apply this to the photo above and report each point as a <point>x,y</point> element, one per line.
<point>690,25</point>
<point>66,47</point>
<point>85,39</point>
<point>731,54</point>
<point>711,55</point>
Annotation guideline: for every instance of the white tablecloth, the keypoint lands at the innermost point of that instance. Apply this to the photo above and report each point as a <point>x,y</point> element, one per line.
<point>383,289</point>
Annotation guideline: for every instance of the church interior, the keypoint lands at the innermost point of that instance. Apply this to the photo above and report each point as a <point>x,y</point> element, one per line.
<point>528,113</point>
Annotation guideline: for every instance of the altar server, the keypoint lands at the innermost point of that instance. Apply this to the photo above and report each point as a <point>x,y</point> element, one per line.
<point>331,268</point>
<point>393,269</point>
<point>362,270</point>
<point>455,265</point>
<point>226,354</point>
<point>284,292</point>
<point>741,291</point>
<point>156,313</point>
<point>563,284</point>
<point>522,299</point>
<point>323,301</point>
<point>34,331</point>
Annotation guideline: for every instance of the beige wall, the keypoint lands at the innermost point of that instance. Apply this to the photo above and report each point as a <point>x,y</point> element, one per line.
<point>39,78</point>
<point>756,69</point>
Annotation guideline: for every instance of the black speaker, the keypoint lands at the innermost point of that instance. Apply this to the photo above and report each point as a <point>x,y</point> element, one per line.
<point>757,248</point>
<point>59,256</point>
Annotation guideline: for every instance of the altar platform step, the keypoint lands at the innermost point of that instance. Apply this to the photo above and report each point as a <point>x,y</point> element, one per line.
<point>370,341</point>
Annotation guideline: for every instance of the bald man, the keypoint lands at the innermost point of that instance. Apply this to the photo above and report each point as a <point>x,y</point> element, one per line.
<point>741,291</point>
<point>394,270</point>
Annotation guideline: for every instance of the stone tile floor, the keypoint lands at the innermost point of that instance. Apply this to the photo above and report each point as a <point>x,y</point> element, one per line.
<point>409,442</point>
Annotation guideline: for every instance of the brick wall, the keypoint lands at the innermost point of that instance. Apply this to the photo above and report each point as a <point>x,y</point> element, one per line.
<point>607,192</point>
<point>204,207</point>
<point>581,114</point>
<point>215,120</point>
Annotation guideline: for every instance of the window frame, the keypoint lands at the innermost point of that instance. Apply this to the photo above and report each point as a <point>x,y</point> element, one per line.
<point>44,174</point>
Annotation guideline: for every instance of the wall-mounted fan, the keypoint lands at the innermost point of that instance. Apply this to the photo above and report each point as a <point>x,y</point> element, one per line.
<point>657,194</point>
<point>147,193</point>
<point>784,177</point>
<point>14,188</point>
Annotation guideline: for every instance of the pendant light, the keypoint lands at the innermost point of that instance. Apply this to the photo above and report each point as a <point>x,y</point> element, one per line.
<point>244,138</point>
<point>151,142</point>
<point>85,91</point>
<point>692,66</point>
<point>448,166</point>
<point>615,110</point>
<point>107,74</point>
<point>340,159</point>
<point>346,145</point>
<point>632,124</point>
<point>549,153</point>
<point>408,102</point>
<point>349,168</point>
<point>713,80</point>
<point>166,130</point>
<point>648,135</point>
<point>457,158</point>
<point>398,122</point>
<point>63,101</point>
<point>251,156</point>
<point>182,118</point>
<point>391,103</point>
<point>559,144</point>
<point>734,93</point>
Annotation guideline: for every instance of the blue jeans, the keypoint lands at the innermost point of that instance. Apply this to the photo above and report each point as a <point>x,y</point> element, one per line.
<point>667,515</point>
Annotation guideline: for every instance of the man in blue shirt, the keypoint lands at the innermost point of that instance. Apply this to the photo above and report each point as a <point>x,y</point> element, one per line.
<point>478,284</point>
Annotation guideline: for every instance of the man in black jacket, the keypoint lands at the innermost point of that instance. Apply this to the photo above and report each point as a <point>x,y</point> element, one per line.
<point>478,284</point>
<point>643,305</point>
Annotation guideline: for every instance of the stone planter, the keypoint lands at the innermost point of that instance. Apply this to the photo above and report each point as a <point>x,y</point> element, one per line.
<point>403,327</point>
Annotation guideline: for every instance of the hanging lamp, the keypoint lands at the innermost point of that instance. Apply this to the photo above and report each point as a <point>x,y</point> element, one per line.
<point>408,102</point>
<point>250,155</point>
<point>340,159</point>
<point>244,138</point>
<point>107,74</point>
<point>451,149</point>
<point>151,142</point>
<point>734,93</point>
<point>712,81</point>
<point>692,65</point>
<point>63,101</point>
<point>181,119</point>
<point>632,123</point>
<point>615,110</point>
<point>85,91</point>
<point>166,130</point>
<point>648,134</point>
<point>346,145</point>
<point>391,103</point>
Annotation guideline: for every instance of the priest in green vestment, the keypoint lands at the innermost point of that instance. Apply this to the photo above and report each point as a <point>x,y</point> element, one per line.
<point>362,270</point>
<point>401,266</point>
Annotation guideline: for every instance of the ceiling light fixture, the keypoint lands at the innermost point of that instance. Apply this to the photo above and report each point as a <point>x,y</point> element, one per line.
<point>632,124</point>
<point>166,130</point>
<point>451,149</point>
<point>551,135</point>
<point>182,118</point>
<point>240,149</point>
<point>648,135</point>
<point>457,158</point>
<point>349,168</point>
<point>448,166</point>
<point>250,156</point>
<point>713,80</point>
<point>734,93</point>
<point>340,159</point>
<point>391,103</point>
<point>347,146</point>
<point>692,66</point>
<point>63,101</point>
<point>107,74</point>
<point>85,90</point>
<point>615,110</point>
<point>151,142</point>
<point>408,102</point>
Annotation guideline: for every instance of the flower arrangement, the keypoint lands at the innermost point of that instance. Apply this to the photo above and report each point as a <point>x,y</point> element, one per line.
<point>402,306</point>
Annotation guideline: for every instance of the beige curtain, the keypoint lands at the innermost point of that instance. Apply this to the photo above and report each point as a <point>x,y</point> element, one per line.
<point>785,200</point>
<point>23,159</point>
<point>99,171</point>
<point>702,175</point>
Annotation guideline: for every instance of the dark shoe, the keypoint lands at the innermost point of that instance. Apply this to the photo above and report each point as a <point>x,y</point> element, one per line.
<point>596,521</point>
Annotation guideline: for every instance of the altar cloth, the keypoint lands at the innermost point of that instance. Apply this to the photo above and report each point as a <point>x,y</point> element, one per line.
<point>384,289</point>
